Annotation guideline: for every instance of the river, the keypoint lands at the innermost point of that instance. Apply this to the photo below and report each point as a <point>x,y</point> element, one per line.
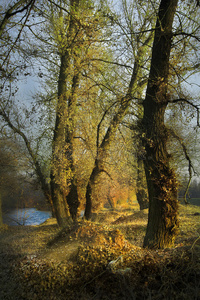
<point>26,216</point>
<point>32,216</point>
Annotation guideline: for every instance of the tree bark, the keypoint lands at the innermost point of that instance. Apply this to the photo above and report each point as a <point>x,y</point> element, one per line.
<point>91,182</point>
<point>1,217</point>
<point>161,180</point>
<point>62,159</point>
<point>63,184</point>
<point>141,191</point>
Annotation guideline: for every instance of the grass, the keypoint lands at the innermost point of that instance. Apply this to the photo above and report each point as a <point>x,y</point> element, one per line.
<point>103,259</point>
<point>193,201</point>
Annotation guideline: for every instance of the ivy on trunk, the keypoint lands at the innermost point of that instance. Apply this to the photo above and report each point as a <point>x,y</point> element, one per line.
<point>63,187</point>
<point>161,180</point>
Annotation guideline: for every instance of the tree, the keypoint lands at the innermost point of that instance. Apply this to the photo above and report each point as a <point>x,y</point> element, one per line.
<point>72,31</point>
<point>8,171</point>
<point>32,154</point>
<point>161,181</point>
<point>62,159</point>
<point>7,69</point>
<point>75,47</point>
<point>139,47</point>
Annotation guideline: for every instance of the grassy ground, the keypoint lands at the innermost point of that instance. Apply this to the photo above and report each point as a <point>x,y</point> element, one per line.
<point>103,259</point>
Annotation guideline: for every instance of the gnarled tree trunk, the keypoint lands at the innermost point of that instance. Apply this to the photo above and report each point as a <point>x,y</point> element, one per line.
<point>63,184</point>
<point>161,180</point>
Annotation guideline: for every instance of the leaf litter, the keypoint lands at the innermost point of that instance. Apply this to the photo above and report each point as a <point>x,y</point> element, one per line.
<point>93,260</point>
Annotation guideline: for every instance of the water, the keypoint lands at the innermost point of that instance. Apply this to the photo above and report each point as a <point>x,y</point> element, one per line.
<point>26,216</point>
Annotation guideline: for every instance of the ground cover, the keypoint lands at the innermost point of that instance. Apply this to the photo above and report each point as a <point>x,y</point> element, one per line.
<point>103,259</point>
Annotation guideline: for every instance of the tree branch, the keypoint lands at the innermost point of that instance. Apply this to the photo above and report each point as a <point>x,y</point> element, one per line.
<point>187,34</point>
<point>38,170</point>
<point>189,103</point>
<point>31,4</point>
<point>10,12</point>
<point>112,63</point>
<point>190,165</point>
<point>99,125</point>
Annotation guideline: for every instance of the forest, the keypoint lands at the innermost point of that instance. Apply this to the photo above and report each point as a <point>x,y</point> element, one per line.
<point>99,115</point>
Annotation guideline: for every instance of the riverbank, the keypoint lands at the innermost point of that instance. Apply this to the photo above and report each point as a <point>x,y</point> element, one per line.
<point>25,216</point>
<point>42,262</point>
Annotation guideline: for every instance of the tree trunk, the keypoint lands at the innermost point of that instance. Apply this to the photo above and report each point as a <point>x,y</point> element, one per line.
<point>141,193</point>
<point>72,201</point>
<point>93,177</point>
<point>1,217</point>
<point>59,160</point>
<point>63,187</point>
<point>161,180</point>
<point>72,196</point>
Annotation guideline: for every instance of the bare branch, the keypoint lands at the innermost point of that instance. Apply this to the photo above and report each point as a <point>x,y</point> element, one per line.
<point>112,62</point>
<point>36,164</point>
<point>187,157</point>
<point>185,34</point>
<point>189,103</point>
<point>19,34</point>
<point>10,12</point>
<point>59,6</point>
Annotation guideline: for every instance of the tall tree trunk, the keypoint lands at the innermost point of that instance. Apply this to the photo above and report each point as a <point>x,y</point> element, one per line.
<point>63,185</point>
<point>161,180</point>
<point>72,195</point>
<point>59,161</point>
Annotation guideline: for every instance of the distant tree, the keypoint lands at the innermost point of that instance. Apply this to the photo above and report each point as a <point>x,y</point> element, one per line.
<point>13,64</point>
<point>194,189</point>
<point>8,171</point>
<point>139,47</point>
